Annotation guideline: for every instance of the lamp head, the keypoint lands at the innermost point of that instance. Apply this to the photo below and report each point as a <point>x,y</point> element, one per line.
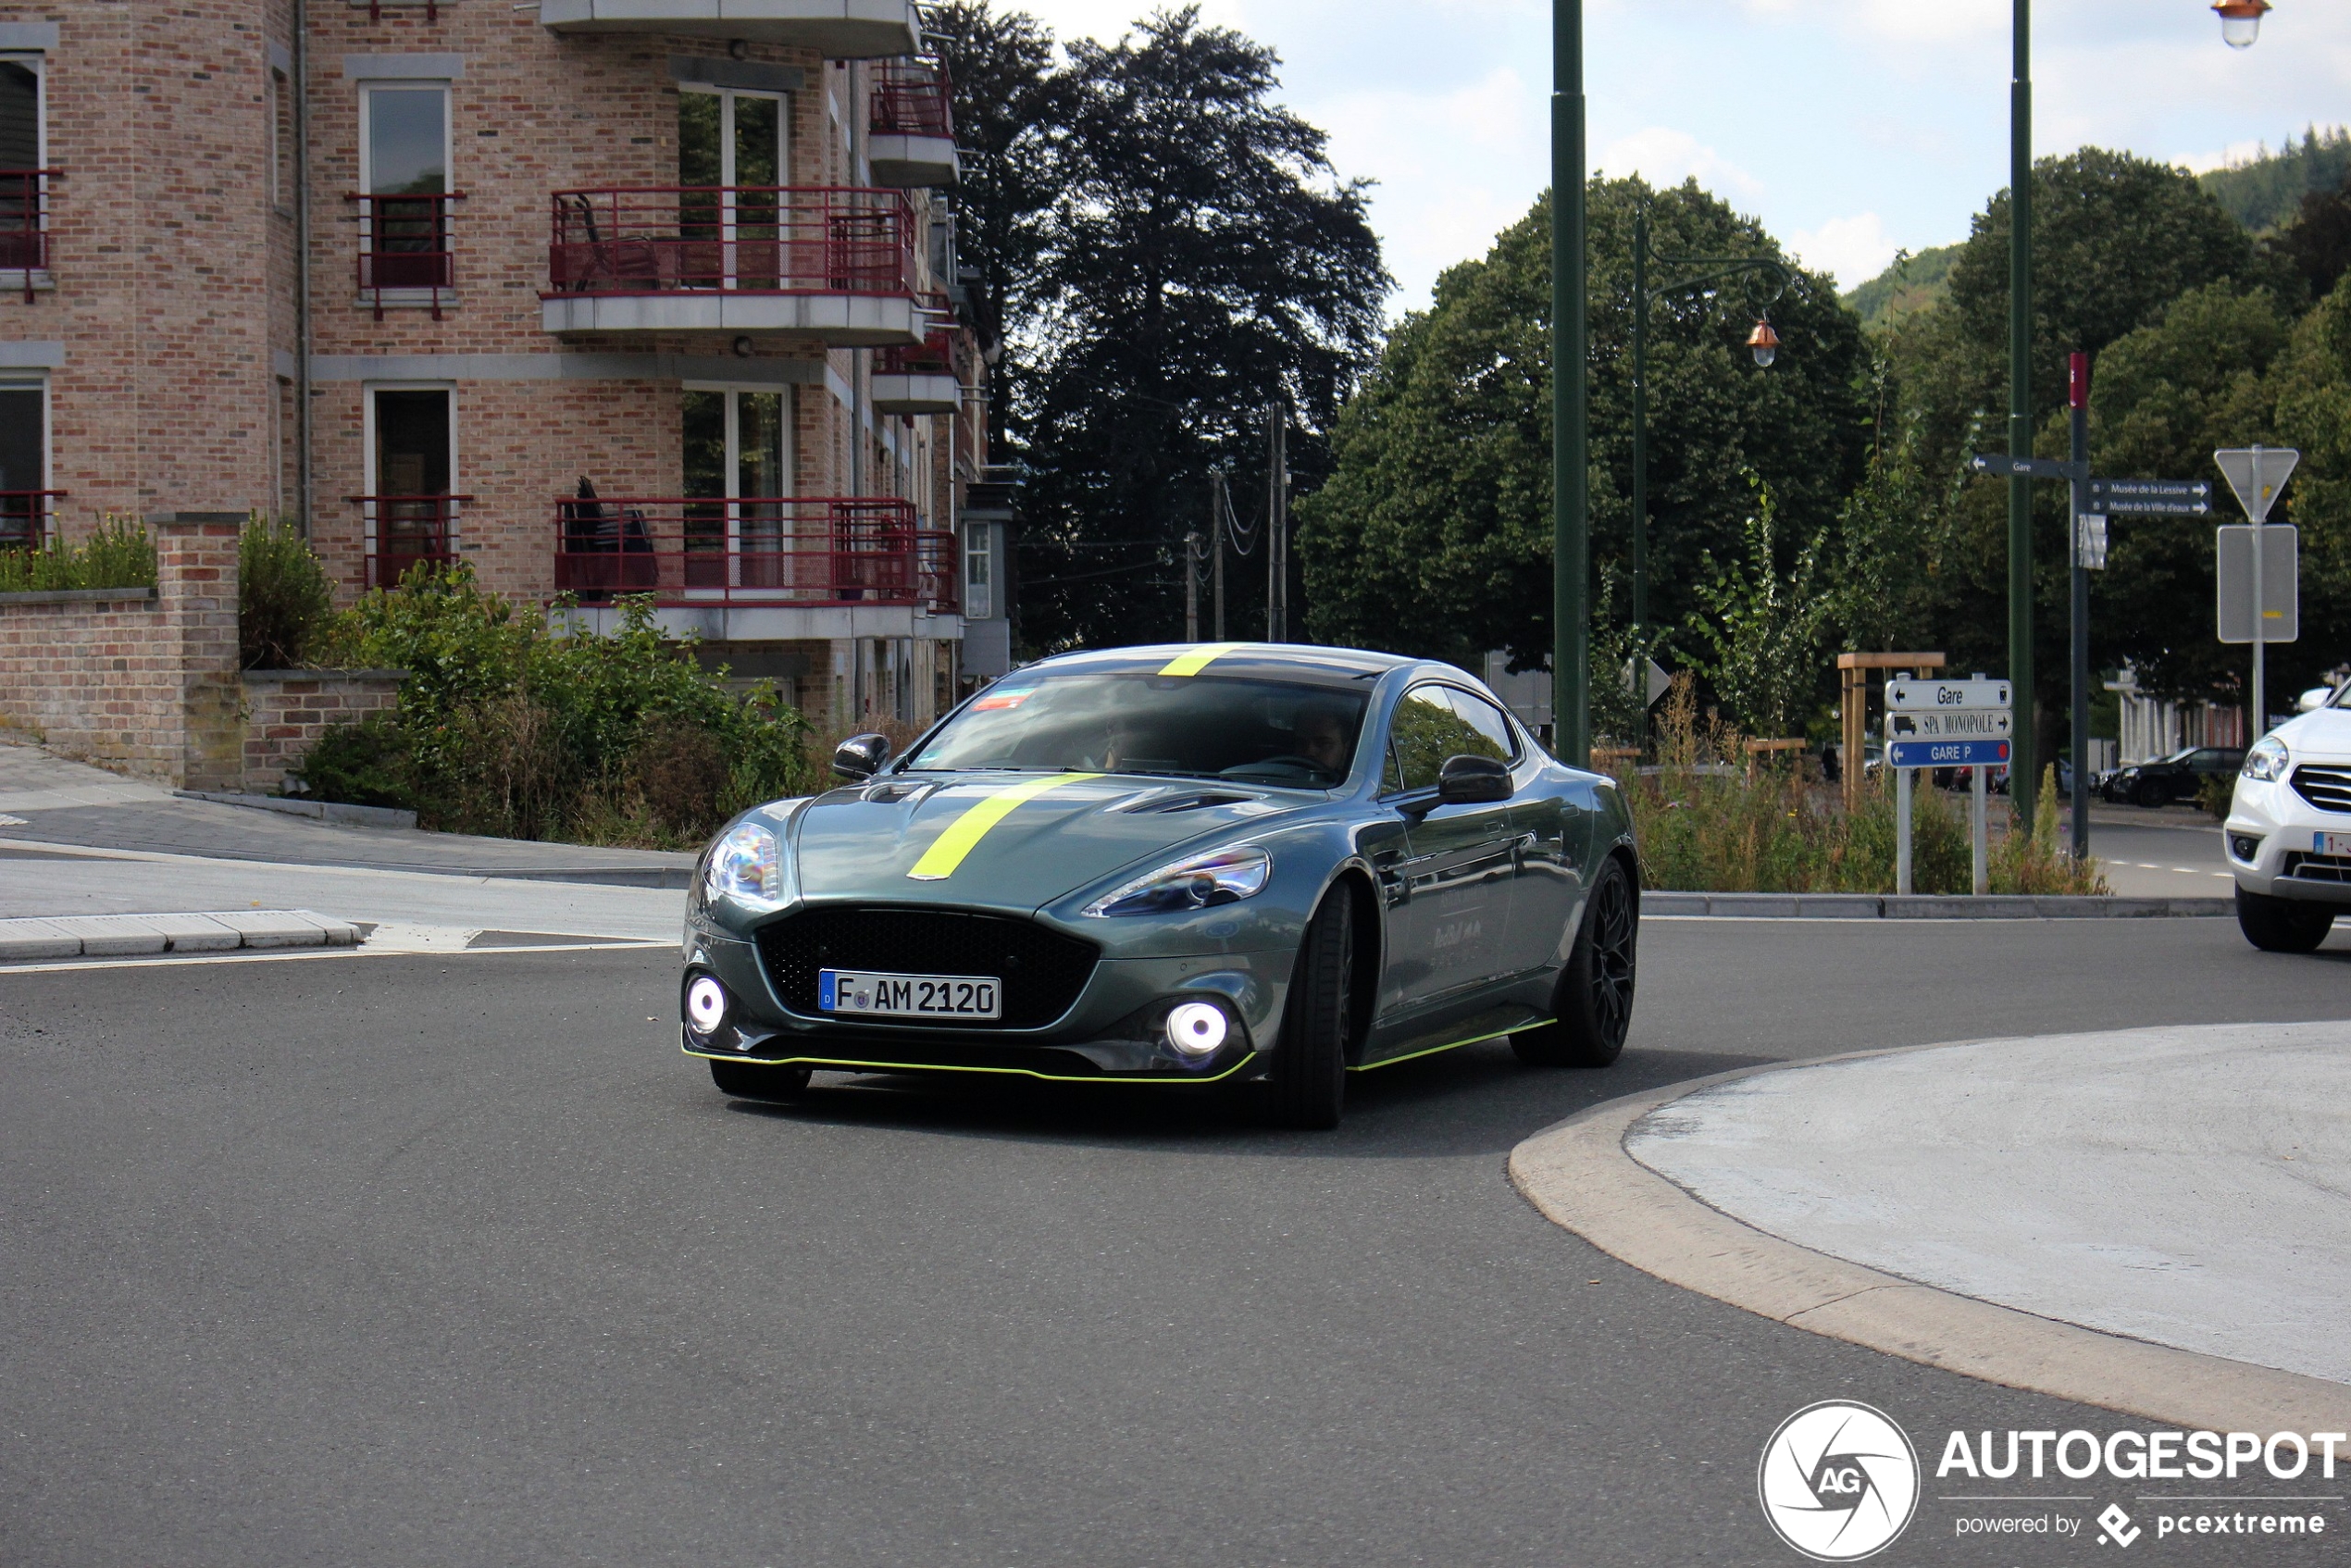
<point>2240,21</point>
<point>1765,343</point>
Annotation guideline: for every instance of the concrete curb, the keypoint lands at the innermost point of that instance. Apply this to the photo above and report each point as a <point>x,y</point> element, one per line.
<point>1579,1176</point>
<point>1932,907</point>
<point>327,810</point>
<point>121,936</point>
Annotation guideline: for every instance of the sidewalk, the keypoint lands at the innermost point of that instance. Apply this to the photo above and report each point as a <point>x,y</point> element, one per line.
<point>2189,1186</point>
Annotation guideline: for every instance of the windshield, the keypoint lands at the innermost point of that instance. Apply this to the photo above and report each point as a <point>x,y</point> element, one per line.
<point>1188,727</point>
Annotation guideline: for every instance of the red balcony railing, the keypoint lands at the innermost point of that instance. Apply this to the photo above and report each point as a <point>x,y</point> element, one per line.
<point>912,98</point>
<point>737,239</point>
<point>404,244</point>
<point>24,222</point>
<point>750,550</point>
<point>28,518</point>
<point>403,531</point>
<point>935,355</point>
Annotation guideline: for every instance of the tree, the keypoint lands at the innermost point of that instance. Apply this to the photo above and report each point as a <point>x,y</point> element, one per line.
<point>1434,534</point>
<point>2310,385</point>
<point>1762,624</point>
<point>1201,261</point>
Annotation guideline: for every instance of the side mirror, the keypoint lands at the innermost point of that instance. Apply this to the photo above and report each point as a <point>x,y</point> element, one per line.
<point>860,757</point>
<point>1465,781</point>
<point>2313,700</point>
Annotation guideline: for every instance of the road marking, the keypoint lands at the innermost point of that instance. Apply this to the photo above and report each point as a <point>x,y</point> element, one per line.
<point>289,955</point>
<point>964,834</point>
<point>1199,659</point>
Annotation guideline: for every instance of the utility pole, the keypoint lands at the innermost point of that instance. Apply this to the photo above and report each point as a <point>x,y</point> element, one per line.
<point>1217,507</point>
<point>2023,778</point>
<point>1278,525</point>
<point>1191,587</point>
<point>1571,447</point>
<point>2077,399</point>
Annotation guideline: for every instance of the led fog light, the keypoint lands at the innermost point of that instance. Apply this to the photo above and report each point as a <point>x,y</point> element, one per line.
<point>1196,1028</point>
<point>706,1004</point>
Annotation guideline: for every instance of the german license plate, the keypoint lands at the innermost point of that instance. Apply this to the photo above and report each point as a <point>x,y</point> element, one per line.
<point>877,995</point>
<point>2331,843</point>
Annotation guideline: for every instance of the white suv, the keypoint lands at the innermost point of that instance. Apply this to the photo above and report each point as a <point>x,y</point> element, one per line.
<point>2289,828</point>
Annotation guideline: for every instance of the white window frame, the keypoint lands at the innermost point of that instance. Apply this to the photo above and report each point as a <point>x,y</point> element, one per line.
<point>37,62</point>
<point>38,382</point>
<point>734,462</point>
<point>728,97</point>
<point>367,391</point>
<point>370,87</point>
<point>980,593</point>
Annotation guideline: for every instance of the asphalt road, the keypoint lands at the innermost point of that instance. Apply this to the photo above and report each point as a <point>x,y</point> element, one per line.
<point>455,1260</point>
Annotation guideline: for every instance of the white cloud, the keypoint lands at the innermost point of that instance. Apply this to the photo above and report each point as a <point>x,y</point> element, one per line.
<point>1853,250</point>
<point>1663,156</point>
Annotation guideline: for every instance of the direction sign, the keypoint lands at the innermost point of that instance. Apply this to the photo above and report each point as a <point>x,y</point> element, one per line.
<point>1659,682</point>
<point>1944,753</point>
<point>2281,584</point>
<point>2256,473</point>
<point>1979,695</point>
<point>1960,726</point>
<point>2172,498</point>
<point>2028,468</point>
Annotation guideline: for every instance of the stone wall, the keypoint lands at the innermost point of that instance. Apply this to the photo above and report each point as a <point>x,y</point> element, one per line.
<point>287,709</point>
<point>142,681</point>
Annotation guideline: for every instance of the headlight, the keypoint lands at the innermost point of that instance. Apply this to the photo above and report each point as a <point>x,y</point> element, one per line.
<point>1226,877</point>
<point>2267,760</point>
<point>746,865</point>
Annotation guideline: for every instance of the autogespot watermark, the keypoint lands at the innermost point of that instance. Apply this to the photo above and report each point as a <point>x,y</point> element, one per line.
<point>1840,1481</point>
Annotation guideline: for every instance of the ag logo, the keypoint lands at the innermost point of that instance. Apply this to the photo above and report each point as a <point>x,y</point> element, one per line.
<point>1839,1481</point>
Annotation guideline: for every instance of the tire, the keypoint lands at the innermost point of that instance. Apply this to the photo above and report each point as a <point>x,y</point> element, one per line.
<point>749,1080</point>
<point>1593,1007</point>
<point>2282,924</point>
<point>1308,1078</point>
<point>2147,794</point>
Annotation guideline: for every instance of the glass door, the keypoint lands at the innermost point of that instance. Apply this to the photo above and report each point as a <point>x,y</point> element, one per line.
<point>738,453</point>
<point>413,515</point>
<point>730,161</point>
<point>23,469</point>
<point>406,155</point>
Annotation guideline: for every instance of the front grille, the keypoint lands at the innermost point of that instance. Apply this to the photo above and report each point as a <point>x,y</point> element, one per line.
<point>1042,970</point>
<point>2329,789</point>
<point>2319,867</point>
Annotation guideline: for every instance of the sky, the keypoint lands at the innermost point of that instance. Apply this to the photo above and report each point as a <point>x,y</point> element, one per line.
<point>1850,128</point>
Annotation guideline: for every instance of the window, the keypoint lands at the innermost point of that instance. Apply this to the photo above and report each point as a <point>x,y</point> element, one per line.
<point>1435,722</point>
<point>24,465</point>
<point>20,127</point>
<point>404,158</point>
<point>732,157</point>
<point>412,514</point>
<point>738,453</point>
<point>23,243</point>
<point>979,599</point>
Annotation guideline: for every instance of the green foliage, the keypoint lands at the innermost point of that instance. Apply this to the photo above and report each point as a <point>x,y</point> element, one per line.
<point>1433,533</point>
<point>515,723</point>
<point>1763,622</point>
<point>118,554</point>
<point>2265,190</point>
<point>285,602</point>
<point>360,764</point>
<point>1912,283</point>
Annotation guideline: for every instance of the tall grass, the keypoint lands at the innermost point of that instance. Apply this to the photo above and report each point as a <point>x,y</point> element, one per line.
<point>1712,819</point>
<point>119,554</point>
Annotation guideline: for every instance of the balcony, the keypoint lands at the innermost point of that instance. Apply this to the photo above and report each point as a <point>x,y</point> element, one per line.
<point>405,257</point>
<point>28,518</point>
<point>403,531</point>
<point>839,30</point>
<point>24,229</point>
<point>921,380</point>
<point>835,263</point>
<point>912,140</point>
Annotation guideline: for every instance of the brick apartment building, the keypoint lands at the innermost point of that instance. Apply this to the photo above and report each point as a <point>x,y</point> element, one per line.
<point>599,295</point>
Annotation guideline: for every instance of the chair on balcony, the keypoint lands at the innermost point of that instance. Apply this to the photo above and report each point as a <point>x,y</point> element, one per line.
<point>588,262</point>
<point>607,548</point>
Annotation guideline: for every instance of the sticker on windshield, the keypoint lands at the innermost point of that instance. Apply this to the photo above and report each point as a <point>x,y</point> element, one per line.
<point>1011,699</point>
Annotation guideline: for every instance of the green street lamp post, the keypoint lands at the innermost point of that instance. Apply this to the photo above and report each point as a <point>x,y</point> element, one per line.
<point>1763,343</point>
<point>2023,781</point>
<point>1571,439</point>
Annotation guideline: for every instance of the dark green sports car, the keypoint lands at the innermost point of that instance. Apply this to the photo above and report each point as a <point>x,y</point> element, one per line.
<point>1184,864</point>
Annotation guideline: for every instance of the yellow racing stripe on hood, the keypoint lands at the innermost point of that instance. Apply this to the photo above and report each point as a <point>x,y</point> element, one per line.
<point>1199,659</point>
<point>964,834</point>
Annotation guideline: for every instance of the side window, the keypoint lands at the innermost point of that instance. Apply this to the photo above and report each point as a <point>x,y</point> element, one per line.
<point>1425,732</point>
<point>1392,781</point>
<point>1492,730</point>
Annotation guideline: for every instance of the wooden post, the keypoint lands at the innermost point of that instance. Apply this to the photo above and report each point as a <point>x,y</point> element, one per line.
<point>1853,690</point>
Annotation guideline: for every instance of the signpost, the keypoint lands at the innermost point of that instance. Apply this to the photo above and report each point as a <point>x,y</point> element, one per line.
<point>2250,559</point>
<point>1946,724</point>
<point>2172,498</point>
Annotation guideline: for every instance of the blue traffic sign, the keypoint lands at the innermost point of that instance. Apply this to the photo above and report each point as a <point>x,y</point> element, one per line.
<point>1944,753</point>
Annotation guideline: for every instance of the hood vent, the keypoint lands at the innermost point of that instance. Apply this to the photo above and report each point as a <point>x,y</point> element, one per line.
<point>1189,803</point>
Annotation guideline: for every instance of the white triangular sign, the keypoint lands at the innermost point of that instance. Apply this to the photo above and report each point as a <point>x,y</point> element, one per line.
<point>2256,473</point>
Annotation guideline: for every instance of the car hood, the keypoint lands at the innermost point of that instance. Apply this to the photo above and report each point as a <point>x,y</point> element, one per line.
<point>2323,734</point>
<point>867,842</point>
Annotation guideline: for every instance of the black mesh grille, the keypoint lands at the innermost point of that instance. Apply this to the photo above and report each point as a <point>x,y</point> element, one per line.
<point>2319,867</point>
<point>1042,970</point>
<point>2329,789</point>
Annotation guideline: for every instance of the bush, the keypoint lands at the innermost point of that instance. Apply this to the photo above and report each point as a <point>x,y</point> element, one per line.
<point>361,765</point>
<point>119,554</point>
<point>285,602</point>
<point>518,723</point>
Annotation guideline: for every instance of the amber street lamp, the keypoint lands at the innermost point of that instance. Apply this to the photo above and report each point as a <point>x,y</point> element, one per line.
<point>2240,21</point>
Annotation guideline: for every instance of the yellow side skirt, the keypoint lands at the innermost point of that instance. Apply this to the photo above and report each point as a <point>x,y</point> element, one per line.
<point>1454,1045</point>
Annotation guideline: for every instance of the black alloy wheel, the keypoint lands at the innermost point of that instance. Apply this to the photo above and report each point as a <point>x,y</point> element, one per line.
<point>1308,1078</point>
<point>750,1081</point>
<point>2283,925</point>
<point>1594,1004</point>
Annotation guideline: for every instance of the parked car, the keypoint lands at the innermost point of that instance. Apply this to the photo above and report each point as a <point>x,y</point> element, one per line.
<point>1174,866</point>
<point>2288,832</point>
<point>2175,777</point>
